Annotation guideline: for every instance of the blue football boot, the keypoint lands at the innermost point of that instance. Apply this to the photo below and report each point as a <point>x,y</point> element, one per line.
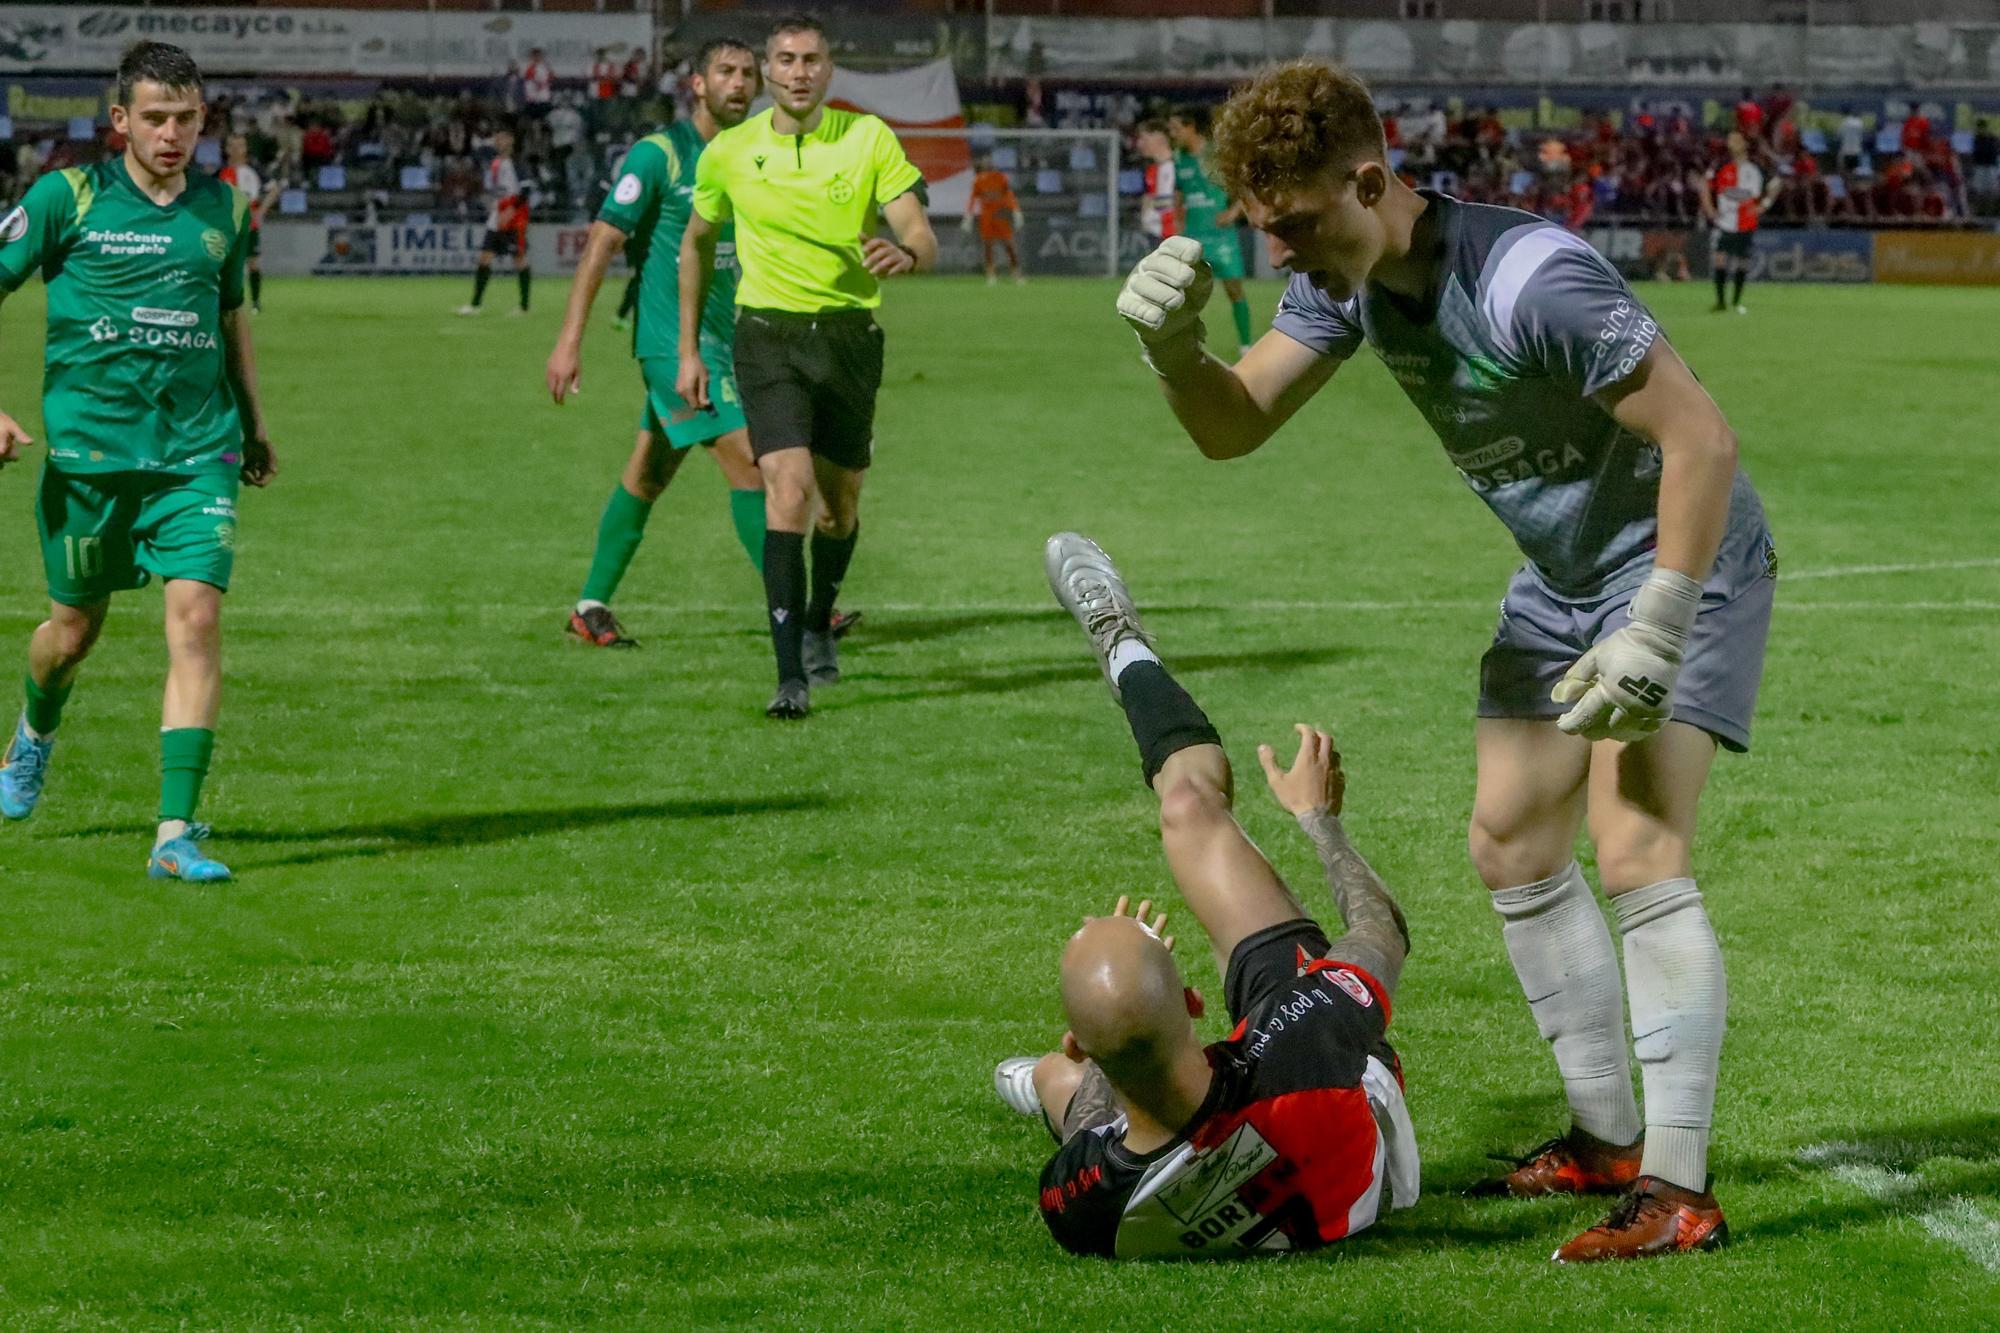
<point>181,858</point>
<point>26,768</point>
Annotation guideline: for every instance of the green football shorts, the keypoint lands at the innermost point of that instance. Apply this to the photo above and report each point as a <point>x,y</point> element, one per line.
<point>106,532</point>
<point>1223,252</point>
<point>682,425</point>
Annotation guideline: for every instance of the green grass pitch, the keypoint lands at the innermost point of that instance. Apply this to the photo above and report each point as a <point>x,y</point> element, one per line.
<point>560,988</point>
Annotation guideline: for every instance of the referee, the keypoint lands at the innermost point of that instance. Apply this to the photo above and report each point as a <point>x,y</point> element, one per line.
<point>806,185</point>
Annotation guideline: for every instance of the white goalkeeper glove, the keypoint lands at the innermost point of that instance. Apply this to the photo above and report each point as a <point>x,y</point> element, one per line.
<point>1623,687</point>
<point>1162,301</point>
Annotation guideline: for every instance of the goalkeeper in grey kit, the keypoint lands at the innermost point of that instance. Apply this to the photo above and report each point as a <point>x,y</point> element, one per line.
<point>1630,642</point>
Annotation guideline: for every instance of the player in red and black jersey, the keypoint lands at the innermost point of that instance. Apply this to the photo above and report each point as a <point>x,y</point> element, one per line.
<point>1289,1134</point>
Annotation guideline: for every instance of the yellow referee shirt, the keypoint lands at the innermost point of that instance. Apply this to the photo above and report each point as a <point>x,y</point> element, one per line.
<point>801,204</point>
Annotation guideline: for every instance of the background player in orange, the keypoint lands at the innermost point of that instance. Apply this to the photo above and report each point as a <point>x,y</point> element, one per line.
<point>998,215</point>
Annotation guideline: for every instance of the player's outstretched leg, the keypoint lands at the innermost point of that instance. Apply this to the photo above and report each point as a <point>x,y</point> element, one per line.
<point>1228,885</point>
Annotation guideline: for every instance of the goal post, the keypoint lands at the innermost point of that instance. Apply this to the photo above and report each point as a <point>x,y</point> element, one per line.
<point>1067,182</point>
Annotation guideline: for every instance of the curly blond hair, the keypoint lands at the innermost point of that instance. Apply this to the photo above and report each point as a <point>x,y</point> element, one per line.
<point>1292,122</point>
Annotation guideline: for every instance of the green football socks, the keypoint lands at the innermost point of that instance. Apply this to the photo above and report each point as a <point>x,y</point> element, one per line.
<point>618,535</point>
<point>746,510</point>
<point>1241,311</point>
<point>184,756</point>
<point>45,705</point>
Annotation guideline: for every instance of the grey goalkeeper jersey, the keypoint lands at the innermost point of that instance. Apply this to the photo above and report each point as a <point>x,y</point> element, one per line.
<point>1529,323</point>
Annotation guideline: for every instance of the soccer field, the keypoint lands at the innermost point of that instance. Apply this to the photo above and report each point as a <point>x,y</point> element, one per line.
<point>559,987</point>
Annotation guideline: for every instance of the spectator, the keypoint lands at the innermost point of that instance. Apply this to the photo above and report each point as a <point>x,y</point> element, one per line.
<point>1916,133</point>
<point>632,79</point>
<point>512,89</point>
<point>1749,117</point>
<point>603,76</point>
<point>1985,159</point>
<point>538,85</point>
<point>1851,130</point>
<point>565,125</point>
<point>316,147</point>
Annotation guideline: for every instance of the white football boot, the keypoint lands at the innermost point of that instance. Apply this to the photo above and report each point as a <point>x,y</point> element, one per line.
<point>1089,586</point>
<point>1014,1080</point>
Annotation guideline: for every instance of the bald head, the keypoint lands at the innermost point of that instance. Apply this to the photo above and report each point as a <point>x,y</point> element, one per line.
<point>1126,1002</point>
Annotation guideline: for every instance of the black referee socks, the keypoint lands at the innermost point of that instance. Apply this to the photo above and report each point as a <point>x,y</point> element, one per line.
<point>830,557</point>
<point>785,595</point>
<point>1164,717</point>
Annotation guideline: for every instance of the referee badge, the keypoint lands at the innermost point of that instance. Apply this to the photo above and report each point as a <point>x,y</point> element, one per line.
<point>839,190</point>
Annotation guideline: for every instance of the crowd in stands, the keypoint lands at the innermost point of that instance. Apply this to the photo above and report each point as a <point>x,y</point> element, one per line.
<point>414,149</point>
<point>1647,170</point>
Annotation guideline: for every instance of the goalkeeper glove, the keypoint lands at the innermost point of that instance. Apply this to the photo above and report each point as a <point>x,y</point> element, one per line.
<point>1623,687</point>
<point>1162,301</point>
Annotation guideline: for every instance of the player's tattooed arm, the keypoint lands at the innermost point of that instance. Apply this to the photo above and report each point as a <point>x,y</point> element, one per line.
<point>1314,790</point>
<point>1092,1104</point>
<point>260,457</point>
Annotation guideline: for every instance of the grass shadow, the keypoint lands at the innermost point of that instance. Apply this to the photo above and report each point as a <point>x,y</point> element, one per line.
<point>475,828</point>
<point>1009,680</point>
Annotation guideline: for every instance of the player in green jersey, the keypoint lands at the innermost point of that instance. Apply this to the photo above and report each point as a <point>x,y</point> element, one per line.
<point>645,214</point>
<point>149,399</point>
<point>1207,213</point>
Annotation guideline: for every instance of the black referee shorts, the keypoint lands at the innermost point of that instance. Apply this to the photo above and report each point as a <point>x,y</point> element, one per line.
<point>810,381</point>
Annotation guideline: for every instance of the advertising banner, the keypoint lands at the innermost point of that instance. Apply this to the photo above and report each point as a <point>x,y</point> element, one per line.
<point>365,43</point>
<point>1776,256</point>
<point>1627,55</point>
<point>1953,258</point>
<point>408,248</point>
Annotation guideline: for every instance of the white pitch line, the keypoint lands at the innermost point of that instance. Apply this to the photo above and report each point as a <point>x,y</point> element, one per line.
<point>1962,1223</point>
<point>252,607</point>
<point>1959,1222</point>
<point>1921,567</point>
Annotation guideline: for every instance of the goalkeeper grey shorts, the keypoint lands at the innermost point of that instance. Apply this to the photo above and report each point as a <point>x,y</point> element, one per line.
<point>1540,635</point>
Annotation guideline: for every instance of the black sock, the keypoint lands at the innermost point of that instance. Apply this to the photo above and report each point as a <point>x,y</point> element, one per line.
<point>785,595</point>
<point>1740,275</point>
<point>1721,285</point>
<point>829,567</point>
<point>479,284</point>
<point>1164,719</point>
<point>527,280</point>
<point>256,287</point>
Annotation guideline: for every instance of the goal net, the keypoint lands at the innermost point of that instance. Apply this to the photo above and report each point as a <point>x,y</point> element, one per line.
<point>1077,207</point>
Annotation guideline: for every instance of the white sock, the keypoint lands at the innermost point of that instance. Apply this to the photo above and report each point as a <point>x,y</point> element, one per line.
<point>1126,652</point>
<point>585,604</point>
<point>1562,952</point>
<point>169,830</point>
<point>34,735</point>
<point>1680,1000</point>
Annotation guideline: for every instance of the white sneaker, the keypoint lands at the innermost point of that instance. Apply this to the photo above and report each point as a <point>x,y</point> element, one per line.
<point>468,310</point>
<point>1088,585</point>
<point>1014,1080</point>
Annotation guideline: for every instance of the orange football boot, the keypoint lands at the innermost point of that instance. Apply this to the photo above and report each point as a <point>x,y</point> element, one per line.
<point>1655,1218</point>
<point>1577,1163</point>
